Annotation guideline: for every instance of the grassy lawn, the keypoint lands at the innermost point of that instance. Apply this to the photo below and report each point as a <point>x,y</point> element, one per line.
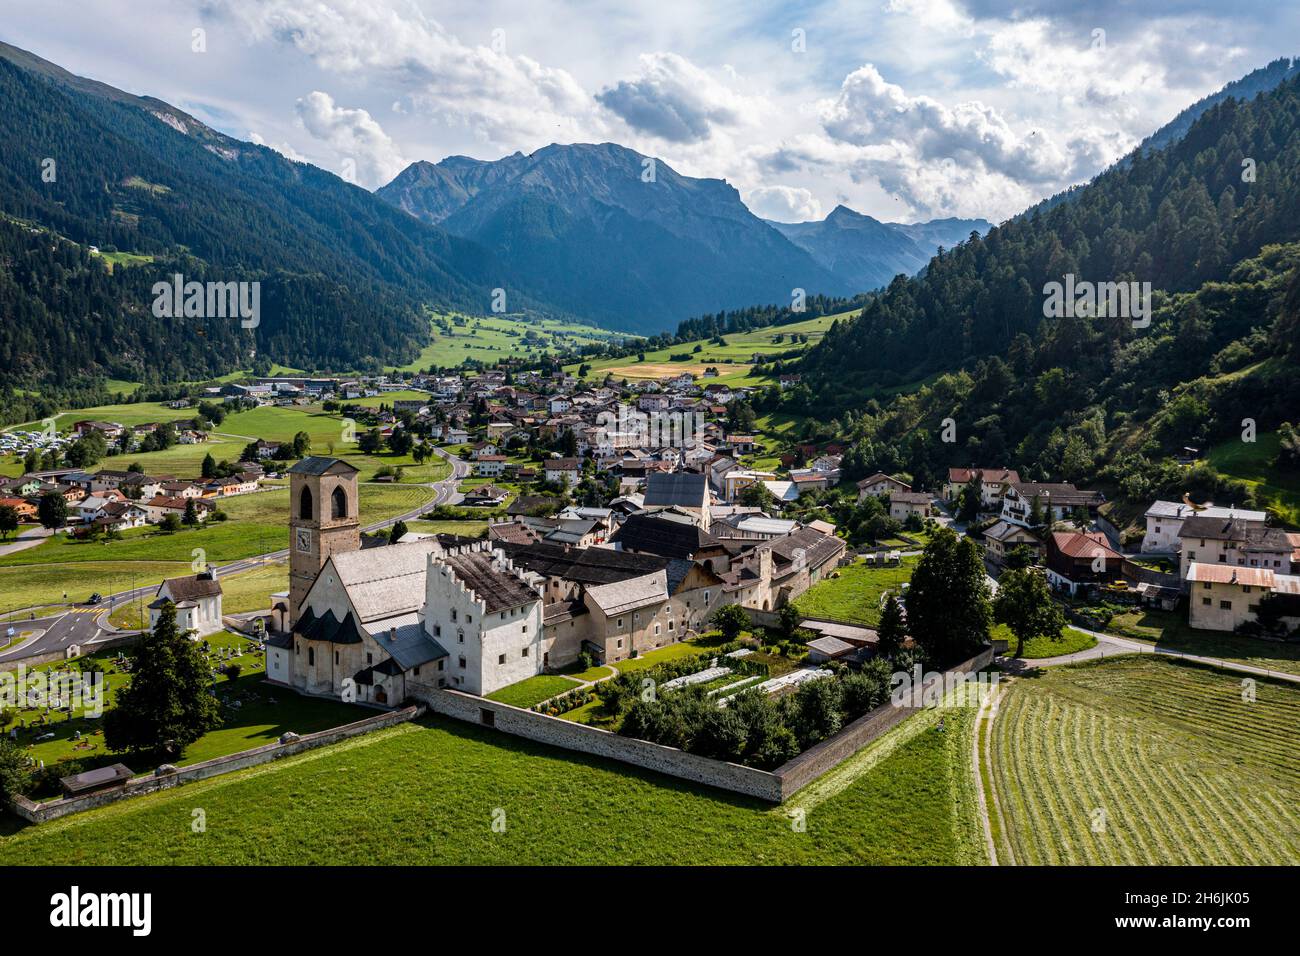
<point>855,595</point>
<point>425,792</point>
<point>732,360</point>
<point>533,690</point>
<point>45,584</point>
<point>489,338</point>
<point>144,556</point>
<point>1071,640</point>
<point>1138,760</point>
<point>672,652</point>
<point>466,529</point>
<point>1252,463</point>
<point>1169,630</point>
<point>254,713</point>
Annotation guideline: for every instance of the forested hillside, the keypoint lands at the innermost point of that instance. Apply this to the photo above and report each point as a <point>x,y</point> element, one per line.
<point>347,276</point>
<point>1092,397</point>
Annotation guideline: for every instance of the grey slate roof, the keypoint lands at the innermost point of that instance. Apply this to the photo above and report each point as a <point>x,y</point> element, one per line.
<point>321,465</point>
<point>497,589</point>
<point>387,580</point>
<point>683,488</point>
<point>413,645</point>
<point>671,539</point>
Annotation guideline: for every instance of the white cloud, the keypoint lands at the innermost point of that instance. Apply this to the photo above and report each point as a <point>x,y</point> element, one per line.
<point>499,97</point>
<point>869,110</point>
<point>784,203</point>
<point>366,153</point>
<point>673,99</point>
<point>284,149</point>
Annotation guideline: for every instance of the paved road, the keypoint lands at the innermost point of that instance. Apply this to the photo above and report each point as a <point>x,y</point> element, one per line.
<point>27,538</point>
<point>1108,645</point>
<point>80,627</point>
<point>86,625</point>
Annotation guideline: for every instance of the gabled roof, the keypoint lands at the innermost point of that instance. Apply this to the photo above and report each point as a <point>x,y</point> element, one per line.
<point>321,465</point>
<point>1228,574</point>
<point>684,488</point>
<point>381,582</point>
<point>671,539</point>
<point>191,588</point>
<point>496,587</point>
<point>623,596</point>
<point>590,566</point>
<point>1077,544</point>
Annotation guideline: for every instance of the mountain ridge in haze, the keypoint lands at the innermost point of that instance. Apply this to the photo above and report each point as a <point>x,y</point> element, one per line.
<point>868,252</point>
<point>612,235</point>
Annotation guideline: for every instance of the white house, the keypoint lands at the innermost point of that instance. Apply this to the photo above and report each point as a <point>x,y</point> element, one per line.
<point>486,615</point>
<point>490,465</point>
<point>1165,521</point>
<point>198,603</point>
<point>566,470</point>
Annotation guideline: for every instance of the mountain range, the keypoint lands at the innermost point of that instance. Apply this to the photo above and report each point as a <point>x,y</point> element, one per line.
<point>590,231</point>
<point>868,252</point>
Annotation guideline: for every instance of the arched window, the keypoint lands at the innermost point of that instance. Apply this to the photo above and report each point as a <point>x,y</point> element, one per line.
<point>339,503</point>
<point>304,505</point>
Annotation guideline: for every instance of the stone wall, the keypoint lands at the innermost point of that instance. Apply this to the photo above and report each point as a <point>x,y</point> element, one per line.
<point>775,786</point>
<point>601,743</point>
<point>831,752</point>
<point>53,809</point>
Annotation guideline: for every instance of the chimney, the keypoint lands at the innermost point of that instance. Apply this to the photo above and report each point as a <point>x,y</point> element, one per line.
<point>392,635</point>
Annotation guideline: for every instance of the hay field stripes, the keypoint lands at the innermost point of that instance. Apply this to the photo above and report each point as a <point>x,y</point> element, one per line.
<point>1117,764</point>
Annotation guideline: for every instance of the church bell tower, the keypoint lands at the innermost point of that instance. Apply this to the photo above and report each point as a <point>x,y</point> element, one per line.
<point>323,520</point>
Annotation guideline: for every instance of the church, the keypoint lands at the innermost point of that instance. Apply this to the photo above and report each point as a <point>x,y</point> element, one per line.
<point>384,624</point>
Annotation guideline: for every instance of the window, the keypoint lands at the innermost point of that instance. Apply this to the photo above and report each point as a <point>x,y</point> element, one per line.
<point>336,657</point>
<point>440,663</point>
<point>453,614</point>
<point>311,656</point>
<point>1205,601</point>
<point>525,653</point>
<point>706,598</point>
<point>437,630</point>
<point>462,663</point>
<point>525,629</point>
<point>656,630</point>
<point>370,658</point>
<point>1225,605</point>
<point>460,637</point>
<point>469,618</point>
<point>304,504</point>
<point>619,645</point>
<point>503,615</point>
<point>670,625</point>
<point>1246,589</point>
<point>619,622</point>
<point>416,671</point>
<point>501,658</point>
<point>1205,585</point>
<point>339,503</point>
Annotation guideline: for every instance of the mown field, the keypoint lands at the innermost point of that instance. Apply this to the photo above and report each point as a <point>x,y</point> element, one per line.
<point>427,792</point>
<point>488,339</point>
<point>227,441</point>
<point>145,556</point>
<point>733,360</point>
<point>1146,761</point>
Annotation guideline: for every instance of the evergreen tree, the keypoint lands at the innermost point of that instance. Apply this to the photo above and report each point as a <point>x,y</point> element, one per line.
<point>209,469</point>
<point>168,703</point>
<point>891,631</point>
<point>948,610</point>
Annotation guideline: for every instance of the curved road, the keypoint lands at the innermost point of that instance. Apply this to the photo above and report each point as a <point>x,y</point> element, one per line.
<point>87,625</point>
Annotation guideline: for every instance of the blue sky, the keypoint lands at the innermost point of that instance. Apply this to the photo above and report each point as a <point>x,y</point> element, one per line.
<point>902,109</point>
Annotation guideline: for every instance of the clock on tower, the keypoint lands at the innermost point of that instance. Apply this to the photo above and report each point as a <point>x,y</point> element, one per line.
<point>323,520</point>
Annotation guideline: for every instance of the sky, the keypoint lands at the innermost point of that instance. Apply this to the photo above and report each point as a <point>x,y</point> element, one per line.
<point>901,109</point>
